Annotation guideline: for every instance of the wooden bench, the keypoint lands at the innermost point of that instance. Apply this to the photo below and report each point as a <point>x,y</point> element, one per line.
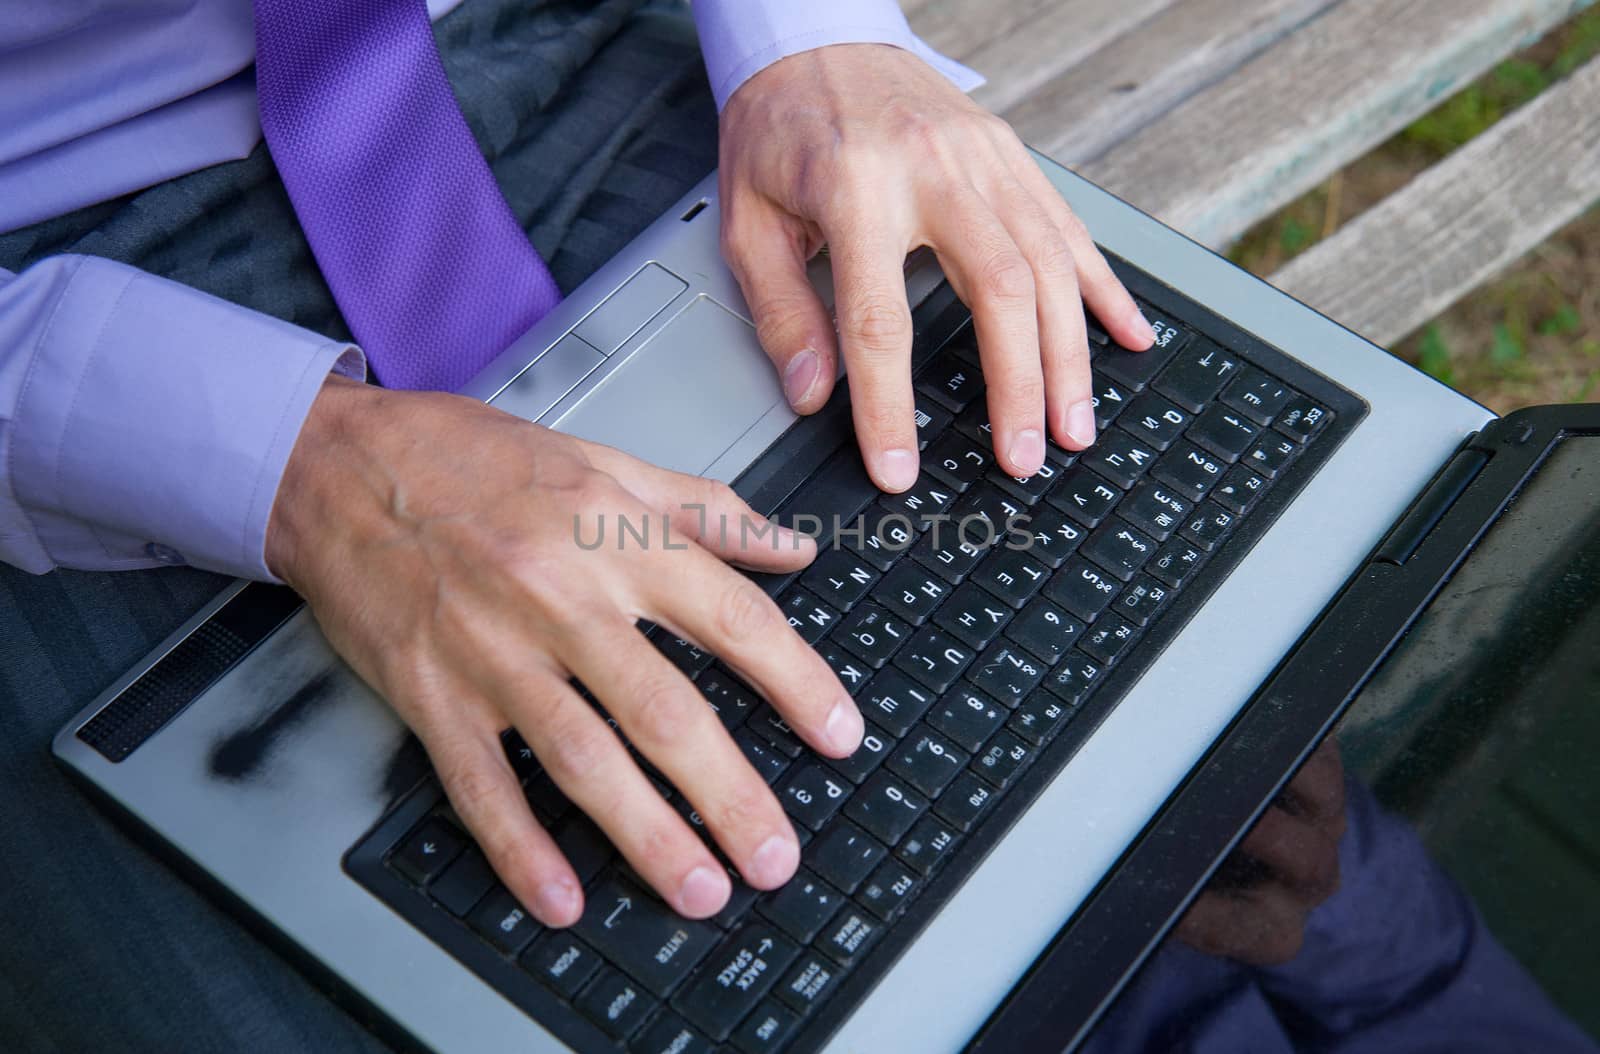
<point>1212,114</point>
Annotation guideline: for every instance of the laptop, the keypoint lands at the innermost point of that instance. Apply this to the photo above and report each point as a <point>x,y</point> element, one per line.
<point>1069,725</point>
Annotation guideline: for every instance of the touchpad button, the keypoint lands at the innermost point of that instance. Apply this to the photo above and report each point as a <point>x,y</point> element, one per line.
<point>685,396</point>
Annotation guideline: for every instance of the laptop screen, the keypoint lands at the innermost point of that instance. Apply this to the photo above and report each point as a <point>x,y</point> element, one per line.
<point>1482,728</point>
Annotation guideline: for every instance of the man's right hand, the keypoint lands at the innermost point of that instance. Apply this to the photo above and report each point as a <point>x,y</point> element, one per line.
<point>437,541</point>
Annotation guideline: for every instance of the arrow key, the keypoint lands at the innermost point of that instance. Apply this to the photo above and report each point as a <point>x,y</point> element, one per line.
<point>647,939</point>
<point>428,851</point>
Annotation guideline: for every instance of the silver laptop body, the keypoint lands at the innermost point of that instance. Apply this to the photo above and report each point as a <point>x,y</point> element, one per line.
<point>655,354</point>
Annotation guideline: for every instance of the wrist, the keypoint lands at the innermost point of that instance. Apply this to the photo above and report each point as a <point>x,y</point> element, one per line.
<point>320,451</point>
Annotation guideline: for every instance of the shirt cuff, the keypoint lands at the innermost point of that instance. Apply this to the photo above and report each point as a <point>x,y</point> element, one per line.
<point>150,423</point>
<point>740,38</point>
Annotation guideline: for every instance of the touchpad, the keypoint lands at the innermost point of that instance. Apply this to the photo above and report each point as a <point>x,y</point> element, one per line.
<point>686,395</point>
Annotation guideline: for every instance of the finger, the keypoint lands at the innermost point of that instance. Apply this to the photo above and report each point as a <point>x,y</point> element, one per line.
<point>592,767</point>
<point>1263,928</point>
<point>709,513</point>
<point>875,337</point>
<point>768,255</point>
<point>667,719</point>
<point>1102,290</point>
<point>1063,339</point>
<point>992,276</point>
<point>485,793</point>
<point>1300,855</point>
<point>733,618</point>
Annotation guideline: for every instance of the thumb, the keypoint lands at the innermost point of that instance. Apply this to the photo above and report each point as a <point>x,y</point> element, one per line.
<point>768,256</point>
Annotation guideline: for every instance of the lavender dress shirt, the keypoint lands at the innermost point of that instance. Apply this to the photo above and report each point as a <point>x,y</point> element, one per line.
<point>143,422</point>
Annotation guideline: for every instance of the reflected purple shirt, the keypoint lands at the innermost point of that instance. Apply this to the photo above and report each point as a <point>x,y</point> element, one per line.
<point>143,422</point>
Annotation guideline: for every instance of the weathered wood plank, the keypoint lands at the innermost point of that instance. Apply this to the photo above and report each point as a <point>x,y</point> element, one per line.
<point>1454,227</point>
<point>1111,94</point>
<point>1021,44</point>
<point>1237,151</point>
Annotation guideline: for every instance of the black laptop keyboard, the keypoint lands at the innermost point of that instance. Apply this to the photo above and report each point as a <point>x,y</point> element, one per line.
<point>974,618</point>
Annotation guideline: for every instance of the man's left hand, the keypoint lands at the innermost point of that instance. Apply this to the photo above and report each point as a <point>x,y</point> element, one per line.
<point>869,150</point>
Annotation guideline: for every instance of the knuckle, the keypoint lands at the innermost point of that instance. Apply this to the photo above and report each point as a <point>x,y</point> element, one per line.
<point>1006,277</point>
<point>744,612</point>
<point>1057,264</point>
<point>576,751</point>
<point>877,323</point>
<point>745,810</point>
<point>661,714</point>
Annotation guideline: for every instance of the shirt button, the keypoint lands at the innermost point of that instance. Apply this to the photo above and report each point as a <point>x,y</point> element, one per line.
<point>164,553</point>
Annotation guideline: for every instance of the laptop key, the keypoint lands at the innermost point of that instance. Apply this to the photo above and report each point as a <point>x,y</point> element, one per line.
<point>736,976</point>
<point>929,843</point>
<point>615,1003</point>
<point>1142,600</point>
<point>428,851</point>
<point>1155,420</point>
<point>869,755</point>
<point>973,615</point>
<point>849,937</point>
<point>740,901</point>
<point>1110,398</point>
<point>969,719</point>
<point>766,1030</point>
<point>878,536</point>
<point>1239,490</point>
<point>1038,719</point>
<point>931,420</point>
<point>811,795</point>
<point>561,961</point>
<point>1176,563</point>
<point>1053,537</point>
<point>503,922</point>
<point>894,701</point>
<point>1119,457</point>
<point>927,761</point>
<point>1189,470</point>
<point>872,634</point>
<point>949,552</point>
<point>840,488</point>
<point>840,578</point>
<point>935,658</point>
<point>1271,456</point>
<point>1209,526</point>
<point>911,591</point>
<point>1225,432</point>
<point>1045,631</point>
<point>967,800</point>
<point>954,384</point>
<point>1082,589</point>
<point>584,845</point>
<point>464,882</point>
<point>1137,368</point>
<point>685,656</point>
<point>731,700</point>
<point>957,460</point>
<point>1006,673</point>
<point>1012,575</point>
<point>1120,549</point>
<point>843,856</point>
<point>851,673</point>
<point>1108,640</point>
<point>1084,496</point>
<point>809,616</point>
<point>809,981</point>
<point>1074,678</point>
<point>886,807</point>
<point>888,890</point>
<point>1028,489</point>
<point>548,802</point>
<point>1302,419</point>
<point>670,1034</point>
<point>1155,509</point>
<point>638,933</point>
<point>1257,396</point>
<point>767,761</point>
<point>1198,374</point>
<point>1003,759</point>
<point>928,496</point>
<point>775,730</point>
<point>802,906</point>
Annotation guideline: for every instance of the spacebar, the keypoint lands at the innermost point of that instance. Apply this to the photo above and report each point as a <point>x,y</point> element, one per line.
<point>839,490</point>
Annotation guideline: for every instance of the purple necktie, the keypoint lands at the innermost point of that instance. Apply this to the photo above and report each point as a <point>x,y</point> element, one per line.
<point>428,264</point>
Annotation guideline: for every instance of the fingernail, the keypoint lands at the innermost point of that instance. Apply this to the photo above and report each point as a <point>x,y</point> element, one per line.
<point>1080,422</point>
<point>800,376</point>
<point>774,862</point>
<point>844,729</point>
<point>1027,451</point>
<point>558,902</point>
<point>703,892</point>
<point>898,468</point>
<point>1146,330</point>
